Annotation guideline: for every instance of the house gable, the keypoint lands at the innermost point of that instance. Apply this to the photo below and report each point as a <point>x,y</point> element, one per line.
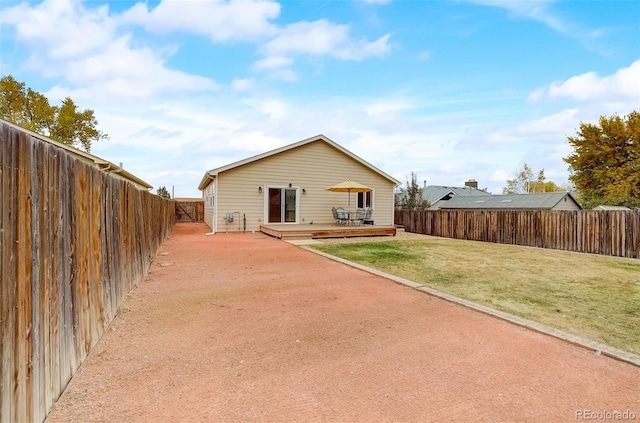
<point>210,175</point>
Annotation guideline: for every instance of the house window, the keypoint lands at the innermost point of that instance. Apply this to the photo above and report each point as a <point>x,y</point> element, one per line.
<point>365,199</point>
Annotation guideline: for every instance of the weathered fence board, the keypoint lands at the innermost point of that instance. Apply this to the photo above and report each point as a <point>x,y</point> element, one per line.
<point>73,242</point>
<point>614,233</point>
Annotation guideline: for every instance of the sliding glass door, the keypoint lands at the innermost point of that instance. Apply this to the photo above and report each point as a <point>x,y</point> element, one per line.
<point>282,206</point>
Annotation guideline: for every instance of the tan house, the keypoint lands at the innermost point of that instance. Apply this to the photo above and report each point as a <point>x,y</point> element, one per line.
<point>289,185</point>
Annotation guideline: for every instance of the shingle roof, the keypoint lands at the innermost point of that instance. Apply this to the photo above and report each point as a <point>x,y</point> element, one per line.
<point>605,207</point>
<point>541,201</point>
<point>433,193</point>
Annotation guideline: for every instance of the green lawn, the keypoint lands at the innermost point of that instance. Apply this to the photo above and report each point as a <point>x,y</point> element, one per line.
<point>596,297</point>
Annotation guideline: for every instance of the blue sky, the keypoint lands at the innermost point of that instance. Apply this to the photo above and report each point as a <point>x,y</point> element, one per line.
<point>448,89</point>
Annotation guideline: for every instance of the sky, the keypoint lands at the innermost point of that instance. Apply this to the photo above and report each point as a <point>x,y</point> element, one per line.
<point>450,90</point>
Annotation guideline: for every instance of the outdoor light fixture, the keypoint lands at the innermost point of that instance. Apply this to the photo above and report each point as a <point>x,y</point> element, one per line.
<point>289,184</point>
<point>304,190</point>
<point>260,190</point>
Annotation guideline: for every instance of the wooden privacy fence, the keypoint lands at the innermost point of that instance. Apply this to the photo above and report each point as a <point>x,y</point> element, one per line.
<point>614,233</point>
<point>74,241</point>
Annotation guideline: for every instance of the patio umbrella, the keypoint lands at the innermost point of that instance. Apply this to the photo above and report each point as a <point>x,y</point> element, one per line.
<point>349,186</point>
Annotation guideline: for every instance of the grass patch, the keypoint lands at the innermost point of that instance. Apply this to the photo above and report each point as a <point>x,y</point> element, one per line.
<point>596,297</point>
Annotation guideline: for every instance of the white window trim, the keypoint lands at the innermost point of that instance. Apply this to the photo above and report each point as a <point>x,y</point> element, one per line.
<point>265,191</point>
<point>373,199</point>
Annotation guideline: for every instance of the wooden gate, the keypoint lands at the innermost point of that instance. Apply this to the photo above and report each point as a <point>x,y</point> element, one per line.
<point>190,211</point>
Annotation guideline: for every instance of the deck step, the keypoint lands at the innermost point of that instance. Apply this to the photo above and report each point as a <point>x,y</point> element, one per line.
<point>308,232</point>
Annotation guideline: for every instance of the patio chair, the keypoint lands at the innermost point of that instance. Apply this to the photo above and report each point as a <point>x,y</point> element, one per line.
<point>368,211</point>
<point>358,217</point>
<point>339,215</point>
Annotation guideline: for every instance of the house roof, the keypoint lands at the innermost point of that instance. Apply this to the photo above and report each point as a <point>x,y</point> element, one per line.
<point>605,207</point>
<point>104,165</point>
<point>211,174</point>
<point>434,193</point>
<point>540,201</point>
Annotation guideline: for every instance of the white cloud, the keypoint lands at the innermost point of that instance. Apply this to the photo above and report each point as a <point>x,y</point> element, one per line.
<point>273,62</point>
<point>376,1</point>
<point>124,72</point>
<point>61,29</point>
<point>500,175</point>
<point>246,20</point>
<point>521,6</point>
<point>539,10</point>
<point>424,55</point>
<point>82,46</point>
<point>240,84</point>
<point>387,107</point>
<point>547,126</point>
<point>532,9</point>
<point>540,132</point>
<point>622,86</point>
<point>274,109</point>
<point>319,38</point>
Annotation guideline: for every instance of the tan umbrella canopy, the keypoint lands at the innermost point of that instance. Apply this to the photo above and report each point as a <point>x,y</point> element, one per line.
<point>349,186</point>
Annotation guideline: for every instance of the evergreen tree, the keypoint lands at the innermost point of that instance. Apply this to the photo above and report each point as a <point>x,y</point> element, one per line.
<point>164,192</point>
<point>410,198</point>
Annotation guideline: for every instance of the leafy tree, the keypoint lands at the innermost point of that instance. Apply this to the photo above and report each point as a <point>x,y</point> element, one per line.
<point>605,163</point>
<point>31,110</point>
<point>550,186</point>
<point>410,198</point>
<point>164,192</point>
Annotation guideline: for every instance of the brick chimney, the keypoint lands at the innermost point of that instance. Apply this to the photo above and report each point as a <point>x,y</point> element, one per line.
<point>472,183</point>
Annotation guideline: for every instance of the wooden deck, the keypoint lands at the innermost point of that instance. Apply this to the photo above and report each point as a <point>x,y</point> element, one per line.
<point>325,231</point>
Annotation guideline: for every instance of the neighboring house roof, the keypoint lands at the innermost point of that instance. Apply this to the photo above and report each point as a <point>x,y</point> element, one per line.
<point>96,161</point>
<point>435,193</point>
<point>605,207</point>
<point>540,201</point>
<point>211,174</point>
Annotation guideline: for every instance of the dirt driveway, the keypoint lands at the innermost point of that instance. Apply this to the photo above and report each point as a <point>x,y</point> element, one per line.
<point>246,328</point>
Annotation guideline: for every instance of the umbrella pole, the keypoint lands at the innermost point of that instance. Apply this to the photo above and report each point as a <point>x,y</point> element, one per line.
<point>349,208</point>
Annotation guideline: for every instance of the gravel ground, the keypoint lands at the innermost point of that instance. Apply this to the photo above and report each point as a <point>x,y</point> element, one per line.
<point>247,328</point>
